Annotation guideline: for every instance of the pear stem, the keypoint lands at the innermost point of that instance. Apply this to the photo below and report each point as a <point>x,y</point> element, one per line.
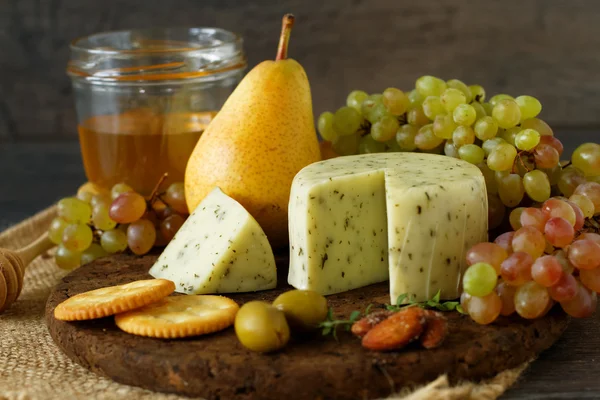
<point>286,29</point>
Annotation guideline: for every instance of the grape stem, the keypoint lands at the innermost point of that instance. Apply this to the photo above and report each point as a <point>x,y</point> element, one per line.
<point>154,193</point>
<point>521,160</point>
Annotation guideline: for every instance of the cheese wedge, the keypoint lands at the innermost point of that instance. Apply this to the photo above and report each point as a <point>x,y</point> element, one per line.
<point>406,217</point>
<point>219,249</point>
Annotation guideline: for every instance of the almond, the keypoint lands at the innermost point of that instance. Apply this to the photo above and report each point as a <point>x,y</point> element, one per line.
<point>435,331</point>
<point>365,324</point>
<point>397,330</point>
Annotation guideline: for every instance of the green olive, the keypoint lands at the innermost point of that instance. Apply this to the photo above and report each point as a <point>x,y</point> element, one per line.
<point>261,327</point>
<point>303,309</point>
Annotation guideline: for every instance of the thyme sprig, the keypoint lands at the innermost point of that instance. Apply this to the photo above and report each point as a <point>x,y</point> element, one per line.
<point>404,300</point>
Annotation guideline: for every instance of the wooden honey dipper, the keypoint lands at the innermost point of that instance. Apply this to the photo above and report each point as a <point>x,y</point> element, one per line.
<point>12,268</point>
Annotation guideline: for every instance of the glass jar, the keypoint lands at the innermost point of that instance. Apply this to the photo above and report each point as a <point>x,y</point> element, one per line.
<point>144,97</point>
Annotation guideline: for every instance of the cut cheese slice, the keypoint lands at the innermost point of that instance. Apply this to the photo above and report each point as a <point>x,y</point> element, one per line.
<point>219,249</point>
<point>406,217</point>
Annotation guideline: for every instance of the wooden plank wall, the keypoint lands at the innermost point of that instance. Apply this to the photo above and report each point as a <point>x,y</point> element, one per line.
<point>547,48</point>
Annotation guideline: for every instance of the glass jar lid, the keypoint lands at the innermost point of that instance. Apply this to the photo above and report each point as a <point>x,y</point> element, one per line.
<point>150,56</point>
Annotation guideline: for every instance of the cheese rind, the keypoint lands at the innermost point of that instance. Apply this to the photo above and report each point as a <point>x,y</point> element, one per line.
<point>399,215</point>
<point>219,249</point>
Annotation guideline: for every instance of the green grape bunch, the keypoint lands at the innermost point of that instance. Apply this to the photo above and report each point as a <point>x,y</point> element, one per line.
<point>515,150</point>
<point>99,222</point>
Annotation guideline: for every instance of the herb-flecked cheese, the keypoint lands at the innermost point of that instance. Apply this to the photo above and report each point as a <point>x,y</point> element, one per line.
<point>219,249</point>
<point>406,217</point>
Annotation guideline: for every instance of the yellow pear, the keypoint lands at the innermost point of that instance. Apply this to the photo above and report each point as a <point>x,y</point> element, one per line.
<point>259,140</point>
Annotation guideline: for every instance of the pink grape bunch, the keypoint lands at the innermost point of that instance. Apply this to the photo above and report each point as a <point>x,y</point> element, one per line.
<point>99,222</point>
<point>549,257</point>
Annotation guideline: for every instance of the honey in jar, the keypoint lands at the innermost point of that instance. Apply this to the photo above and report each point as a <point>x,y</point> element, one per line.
<point>139,146</point>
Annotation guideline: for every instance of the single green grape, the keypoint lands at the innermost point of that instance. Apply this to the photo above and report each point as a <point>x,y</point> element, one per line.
<point>510,189</point>
<point>415,98</point>
<point>74,210</point>
<point>366,107</point>
<point>527,139</point>
<point>478,93</point>
<point>378,112</point>
<point>67,259</point>
<point>537,185</point>
<point>92,253</point>
<point>119,189</point>
<point>480,279</point>
<point>85,196</point>
<point>325,126</point>
<point>502,157</point>
<point>416,117</point>
<point>385,129</point>
<point>499,175</point>
<point>464,114</point>
<point>114,241</point>
<point>57,227</point>
<point>529,105</point>
<point>77,237</point>
<point>101,218</point>
<point>432,107</point>
<point>479,110</point>
<point>537,124</point>
<point>430,86</point>
<point>499,97</point>
<point>490,144</point>
<point>570,178</point>
<point>586,158</point>
<point>369,145</point>
<point>405,137</point>
<point>444,126</point>
<point>439,149</point>
<point>450,149</point>
<point>463,135</point>
<point>101,198</point>
<point>510,134</point>
<point>452,98</point>
<point>346,120</point>
<point>485,128</point>
<point>488,108</point>
<point>490,178</point>
<point>395,101</point>
<point>356,98</point>
<point>460,85</point>
<point>346,145</point>
<point>507,113</point>
<point>553,174</point>
<point>426,139</point>
<point>471,153</point>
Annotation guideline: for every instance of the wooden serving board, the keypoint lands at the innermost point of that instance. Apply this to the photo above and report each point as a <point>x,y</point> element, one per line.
<point>217,366</point>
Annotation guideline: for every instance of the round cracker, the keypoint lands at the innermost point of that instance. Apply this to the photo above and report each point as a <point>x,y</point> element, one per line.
<point>180,316</point>
<point>12,281</point>
<point>112,300</point>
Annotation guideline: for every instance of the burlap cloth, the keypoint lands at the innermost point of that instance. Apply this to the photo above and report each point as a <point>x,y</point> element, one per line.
<point>32,367</point>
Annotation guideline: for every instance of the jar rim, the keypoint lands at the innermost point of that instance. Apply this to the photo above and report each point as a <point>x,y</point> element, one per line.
<point>155,54</point>
<point>79,44</point>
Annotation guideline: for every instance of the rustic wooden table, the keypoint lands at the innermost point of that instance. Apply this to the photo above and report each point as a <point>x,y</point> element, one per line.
<point>35,175</point>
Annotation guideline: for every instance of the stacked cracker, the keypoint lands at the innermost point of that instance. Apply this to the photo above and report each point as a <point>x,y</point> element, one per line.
<point>145,308</point>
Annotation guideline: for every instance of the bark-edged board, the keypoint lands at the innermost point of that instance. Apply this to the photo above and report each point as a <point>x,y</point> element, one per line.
<point>217,366</point>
